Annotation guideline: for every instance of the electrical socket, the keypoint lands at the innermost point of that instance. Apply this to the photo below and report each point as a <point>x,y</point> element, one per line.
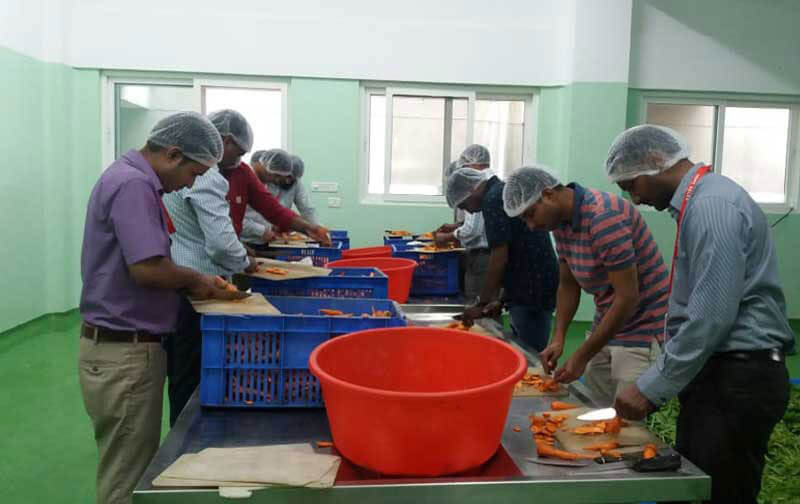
<point>334,202</point>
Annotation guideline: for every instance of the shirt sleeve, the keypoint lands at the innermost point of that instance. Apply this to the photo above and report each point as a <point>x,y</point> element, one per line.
<point>253,226</point>
<point>467,229</point>
<point>713,239</point>
<point>303,203</point>
<point>266,204</point>
<point>612,240</point>
<point>497,223</point>
<point>135,214</point>
<point>207,199</point>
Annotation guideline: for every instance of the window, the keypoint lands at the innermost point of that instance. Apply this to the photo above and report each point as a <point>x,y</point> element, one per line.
<point>134,104</point>
<point>407,152</point>
<point>750,143</point>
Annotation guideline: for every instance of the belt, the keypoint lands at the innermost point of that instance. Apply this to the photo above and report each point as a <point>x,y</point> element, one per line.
<point>771,355</point>
<point>103,335</point>
<point>479,251</point>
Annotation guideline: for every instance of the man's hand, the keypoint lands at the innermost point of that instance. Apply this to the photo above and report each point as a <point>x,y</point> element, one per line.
<point>442,239</point>
<point>213,287</point>
<point>572,369</point>
<point>631,404</point>
<point>551,354</point>
<point>493,309</point>
<point>268,236</point>
<point>252,265</point>
<point>320,234</point>
<point>447,228</point>
<point>472,313</point>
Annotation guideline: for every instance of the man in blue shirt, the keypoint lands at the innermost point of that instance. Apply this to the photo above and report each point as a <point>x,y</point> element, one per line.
<point>522,261</point>
<point>726,329</point>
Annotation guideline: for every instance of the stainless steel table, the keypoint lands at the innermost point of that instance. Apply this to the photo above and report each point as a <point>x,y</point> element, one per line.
<point>506,478</point>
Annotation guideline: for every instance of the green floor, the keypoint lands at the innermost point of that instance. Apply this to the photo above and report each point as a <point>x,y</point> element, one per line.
<point>48,449</point>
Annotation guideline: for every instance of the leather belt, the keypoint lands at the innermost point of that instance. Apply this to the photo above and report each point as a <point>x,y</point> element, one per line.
<point>773,355</point>
<point>103,335</point>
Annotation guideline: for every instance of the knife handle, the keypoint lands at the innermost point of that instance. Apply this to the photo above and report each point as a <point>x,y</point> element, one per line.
<point>659,463</point>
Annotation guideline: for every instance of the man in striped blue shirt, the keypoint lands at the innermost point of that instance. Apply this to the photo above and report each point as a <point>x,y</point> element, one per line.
<point>726,329</point>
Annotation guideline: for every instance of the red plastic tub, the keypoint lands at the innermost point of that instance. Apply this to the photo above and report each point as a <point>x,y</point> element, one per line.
<point>397,269</point>
<point>417,401</point>
<point>382,251</point>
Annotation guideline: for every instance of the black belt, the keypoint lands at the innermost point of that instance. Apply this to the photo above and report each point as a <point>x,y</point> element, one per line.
<point>103,335</point>
<point>479,251</point>
<point>771,355</point>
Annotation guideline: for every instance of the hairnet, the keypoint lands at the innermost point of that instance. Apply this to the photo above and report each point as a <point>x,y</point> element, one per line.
<point>461,184</point>
<point>474,155</point>
<point>255,157</point>
<point>192,133</point>
<point>524,188</point>
<point>298,167</point>
<point>277,161</point>
<point>645,150</point>
<point>452,167</point>
<point>231,123</point>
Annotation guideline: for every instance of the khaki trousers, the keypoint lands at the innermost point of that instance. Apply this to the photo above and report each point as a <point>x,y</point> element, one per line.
<point>615,367</point>
<point>123,387</point>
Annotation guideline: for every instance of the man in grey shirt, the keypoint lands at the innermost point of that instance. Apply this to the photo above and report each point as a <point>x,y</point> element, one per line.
<point>726,330</point>
<point>280,172</point>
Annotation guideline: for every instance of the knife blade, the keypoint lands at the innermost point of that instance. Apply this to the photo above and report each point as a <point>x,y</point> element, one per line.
<point>598,415</point>
<point>559,463</point>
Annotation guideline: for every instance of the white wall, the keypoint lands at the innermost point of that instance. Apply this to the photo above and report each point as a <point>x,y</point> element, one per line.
<point>517,42</point>
<point>716,45</point>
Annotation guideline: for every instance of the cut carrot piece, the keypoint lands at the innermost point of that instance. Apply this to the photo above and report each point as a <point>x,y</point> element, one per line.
<point>650,451</point>
<point>560,406</point>
<point>324,444</point>
<point>516,428</point>
<point>545,450</point>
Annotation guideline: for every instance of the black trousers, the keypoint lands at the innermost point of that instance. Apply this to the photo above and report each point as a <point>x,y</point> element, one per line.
<point>727,415</point>
<point>183,359</point>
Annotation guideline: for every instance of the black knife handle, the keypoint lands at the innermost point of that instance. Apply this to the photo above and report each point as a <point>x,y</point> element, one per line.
<point>659,463</point>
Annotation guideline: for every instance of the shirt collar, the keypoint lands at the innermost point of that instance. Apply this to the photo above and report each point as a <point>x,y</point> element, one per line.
<point>677,198</point>
<point>577,199</point>
<point>135,159</point>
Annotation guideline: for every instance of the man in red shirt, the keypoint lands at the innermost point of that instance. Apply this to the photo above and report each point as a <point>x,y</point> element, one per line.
<point>245,188</point>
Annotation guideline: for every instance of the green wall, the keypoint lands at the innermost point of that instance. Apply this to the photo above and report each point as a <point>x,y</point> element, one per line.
<point>786,234</point>
<point>50,140</point>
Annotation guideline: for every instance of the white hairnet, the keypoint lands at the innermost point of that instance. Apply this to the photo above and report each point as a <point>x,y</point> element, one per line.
<point>193,133</point>
<point>277,161</point>
<point>524,188</point>
<point>461,184</point>
<point>474,155</point>
<point>232,123</point>
<point>298,167</point>
<point>452,167</point>
<point>645,150</point>
<point>255,157</point>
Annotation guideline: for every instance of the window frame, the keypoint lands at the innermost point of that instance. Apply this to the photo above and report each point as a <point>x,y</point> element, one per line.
<point>792,163</point>
<point>110,79</point>
<point>368,89</point>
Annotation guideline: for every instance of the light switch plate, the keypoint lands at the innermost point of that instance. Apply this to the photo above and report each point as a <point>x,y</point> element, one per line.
<point>324,187</point>
<point>334,202</point>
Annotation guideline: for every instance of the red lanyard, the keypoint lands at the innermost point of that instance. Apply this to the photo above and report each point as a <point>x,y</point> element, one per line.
<point>170,225</point>
<point>701,172</point>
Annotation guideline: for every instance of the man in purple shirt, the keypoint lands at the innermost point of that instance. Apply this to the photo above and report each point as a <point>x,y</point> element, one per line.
<point>129,299</point>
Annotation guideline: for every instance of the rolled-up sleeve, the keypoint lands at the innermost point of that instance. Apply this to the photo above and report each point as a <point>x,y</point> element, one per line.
<point>213,216</point>
<point>713,238</point>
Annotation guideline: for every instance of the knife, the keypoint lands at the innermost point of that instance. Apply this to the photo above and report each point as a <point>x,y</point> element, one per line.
<point>558,462</point>
<point>598,415</point>
<point>659,463</point>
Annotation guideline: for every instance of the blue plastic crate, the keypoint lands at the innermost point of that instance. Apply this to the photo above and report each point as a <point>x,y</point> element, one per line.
<point>319,255</point>
<point>262,360</point>
<point>338,234</point>
<point>436,274</point>
<point>364,283</point>
<point>403,240</point>
<point>342,243</point>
